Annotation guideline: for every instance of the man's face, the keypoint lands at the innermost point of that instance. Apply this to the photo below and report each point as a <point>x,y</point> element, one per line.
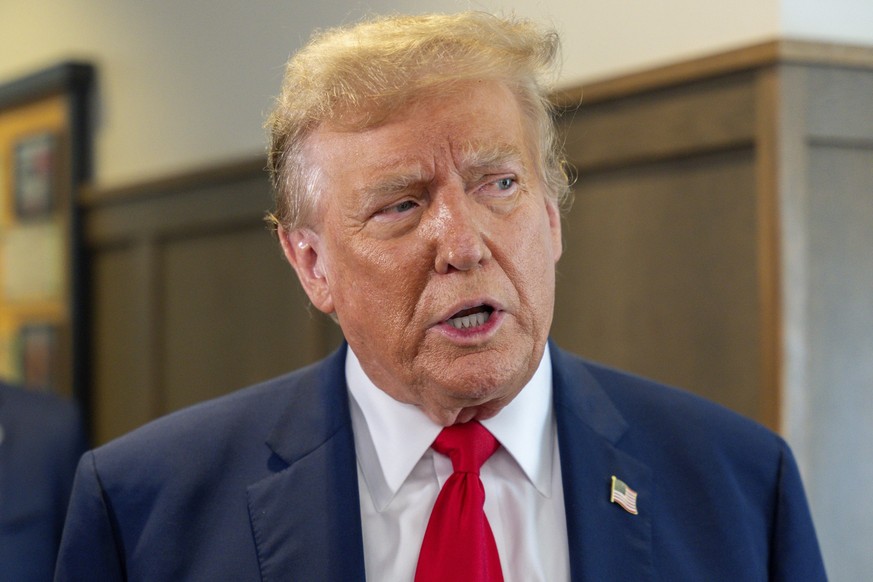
<point>436,249</point>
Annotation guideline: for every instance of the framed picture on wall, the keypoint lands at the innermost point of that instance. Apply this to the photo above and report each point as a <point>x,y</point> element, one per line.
<point>45,158</point>
<point>39,355</point>
<point>36,175</point>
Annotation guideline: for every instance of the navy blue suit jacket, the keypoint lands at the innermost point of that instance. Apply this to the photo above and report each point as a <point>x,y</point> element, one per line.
<point>41,440</point>
<point>262,485</point>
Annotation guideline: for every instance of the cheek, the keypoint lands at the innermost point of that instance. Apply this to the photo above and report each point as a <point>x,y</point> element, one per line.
<point>378,284</point>
<point>533,259</point>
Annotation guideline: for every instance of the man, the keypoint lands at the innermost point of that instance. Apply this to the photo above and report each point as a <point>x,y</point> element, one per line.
<point>41,440</point>
<point>418,188</point>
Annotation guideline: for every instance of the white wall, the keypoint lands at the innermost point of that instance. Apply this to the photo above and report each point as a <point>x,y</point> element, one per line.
<point>849,21</point>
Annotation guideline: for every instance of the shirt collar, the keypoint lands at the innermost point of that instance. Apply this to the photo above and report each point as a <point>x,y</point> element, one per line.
<point>391,436</point>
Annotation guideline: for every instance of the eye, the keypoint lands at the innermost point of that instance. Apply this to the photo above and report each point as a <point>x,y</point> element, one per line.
<point>500,187</point>
<point>504,183</point>
<point>400,207</point>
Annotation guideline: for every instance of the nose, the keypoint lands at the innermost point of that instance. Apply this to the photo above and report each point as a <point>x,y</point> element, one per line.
<point>458,233</point>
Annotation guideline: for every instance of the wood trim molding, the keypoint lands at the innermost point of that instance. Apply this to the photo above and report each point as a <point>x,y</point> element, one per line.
<point>765,54</point>
<point>769,88</point>
<point>220,173</point>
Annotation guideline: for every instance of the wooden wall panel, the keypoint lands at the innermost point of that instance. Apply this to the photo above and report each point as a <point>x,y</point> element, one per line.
<point>234,314</point>
<point>709,115</point>
<point>192,297</point>
<point>839,104</point>
<point>122,395</point>
<point>658,275</point>
<point>838,372</point>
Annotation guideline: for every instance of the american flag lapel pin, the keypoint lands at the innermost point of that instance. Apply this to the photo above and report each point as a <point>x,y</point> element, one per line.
<point>623,495</point>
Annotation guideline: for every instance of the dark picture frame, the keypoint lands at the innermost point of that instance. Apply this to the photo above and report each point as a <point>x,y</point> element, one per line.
<point>48,160</point>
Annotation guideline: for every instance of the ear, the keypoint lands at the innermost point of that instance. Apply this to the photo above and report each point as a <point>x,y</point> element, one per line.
<point>303,249</point>
<point>555,226</point>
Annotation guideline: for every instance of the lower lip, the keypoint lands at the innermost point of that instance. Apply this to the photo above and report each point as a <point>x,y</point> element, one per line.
<point>472,335</point>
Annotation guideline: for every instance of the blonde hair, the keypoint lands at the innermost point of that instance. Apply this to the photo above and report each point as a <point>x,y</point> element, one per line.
<point>357,76</point>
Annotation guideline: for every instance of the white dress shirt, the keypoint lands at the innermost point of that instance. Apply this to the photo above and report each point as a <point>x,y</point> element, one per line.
<point>400,476</point>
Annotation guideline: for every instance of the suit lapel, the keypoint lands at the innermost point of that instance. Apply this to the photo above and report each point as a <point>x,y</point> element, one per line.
<point>606,542</point>
<point>306,515</point>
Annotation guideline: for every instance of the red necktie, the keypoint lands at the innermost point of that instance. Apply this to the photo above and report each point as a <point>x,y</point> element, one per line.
<point>458,544</point>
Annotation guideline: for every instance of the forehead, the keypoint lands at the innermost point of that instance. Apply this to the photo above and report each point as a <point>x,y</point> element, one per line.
<point>473,123</point>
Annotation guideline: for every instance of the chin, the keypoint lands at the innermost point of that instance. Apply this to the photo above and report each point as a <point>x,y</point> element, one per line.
<point>476,391</point>
<point>448,417</point>
<point>480,395</point>
<point>484,412</point>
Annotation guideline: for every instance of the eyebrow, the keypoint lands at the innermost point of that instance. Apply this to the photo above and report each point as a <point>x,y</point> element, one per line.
<point>474,157</point>
<point>393,183</point>
<point>478,155</point>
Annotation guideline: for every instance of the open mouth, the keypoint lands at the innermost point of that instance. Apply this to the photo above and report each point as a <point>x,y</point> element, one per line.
<point>469,318</point>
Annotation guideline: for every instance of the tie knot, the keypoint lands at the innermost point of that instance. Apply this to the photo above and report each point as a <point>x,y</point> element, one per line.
<point>468,445</point>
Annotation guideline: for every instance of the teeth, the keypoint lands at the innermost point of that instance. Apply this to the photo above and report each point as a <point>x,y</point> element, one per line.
<point>469,321</point>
